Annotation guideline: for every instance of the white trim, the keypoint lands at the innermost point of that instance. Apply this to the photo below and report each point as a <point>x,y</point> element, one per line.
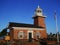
<point>28,28</point>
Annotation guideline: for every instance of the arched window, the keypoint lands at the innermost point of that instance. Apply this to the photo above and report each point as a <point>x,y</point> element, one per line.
<point>20,35</point>
<point>37,35</point>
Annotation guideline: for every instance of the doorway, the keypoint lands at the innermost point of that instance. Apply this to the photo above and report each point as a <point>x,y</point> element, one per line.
<point>30,37</point>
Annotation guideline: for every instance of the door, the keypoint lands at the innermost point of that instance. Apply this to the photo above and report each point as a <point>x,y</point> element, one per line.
<point>30,37</point>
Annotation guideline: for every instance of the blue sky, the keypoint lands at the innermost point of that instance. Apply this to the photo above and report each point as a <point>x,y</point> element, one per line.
<point>22,11</point>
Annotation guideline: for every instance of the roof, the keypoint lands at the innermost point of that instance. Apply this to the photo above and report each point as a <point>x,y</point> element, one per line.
<point>14,24</point>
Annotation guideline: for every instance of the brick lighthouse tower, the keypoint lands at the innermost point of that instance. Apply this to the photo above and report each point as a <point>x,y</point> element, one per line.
<point>39,20</point>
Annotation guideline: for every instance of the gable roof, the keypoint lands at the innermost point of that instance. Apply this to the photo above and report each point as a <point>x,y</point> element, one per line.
<point>14,24</point>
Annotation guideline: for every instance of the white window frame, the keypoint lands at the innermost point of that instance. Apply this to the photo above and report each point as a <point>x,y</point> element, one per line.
<point>38,34</point>
<point>19,34</point>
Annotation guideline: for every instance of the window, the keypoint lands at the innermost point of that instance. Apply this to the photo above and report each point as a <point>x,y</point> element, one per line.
<point>39,11</point>
<point>20,35</point>
<point>37,34</point>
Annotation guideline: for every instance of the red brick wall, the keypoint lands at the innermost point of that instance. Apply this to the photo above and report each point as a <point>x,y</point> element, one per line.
<point>14,33</point>
<point>11,34</point>
<point>42,33</point>
<point>39,21</point>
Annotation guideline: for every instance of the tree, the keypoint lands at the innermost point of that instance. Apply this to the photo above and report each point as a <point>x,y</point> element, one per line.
<point>3,32</point>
